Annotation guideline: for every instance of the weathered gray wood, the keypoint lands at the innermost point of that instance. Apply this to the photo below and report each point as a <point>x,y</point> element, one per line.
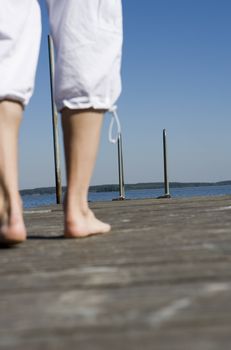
<point>160,280</point>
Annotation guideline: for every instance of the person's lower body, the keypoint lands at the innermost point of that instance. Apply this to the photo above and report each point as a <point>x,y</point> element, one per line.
<point>88,38</point>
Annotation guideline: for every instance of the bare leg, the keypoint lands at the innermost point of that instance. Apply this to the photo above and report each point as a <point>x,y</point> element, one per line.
<point>12,228</point>
<point>81,131</point>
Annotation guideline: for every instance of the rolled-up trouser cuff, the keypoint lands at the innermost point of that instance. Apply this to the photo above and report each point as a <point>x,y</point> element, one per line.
<point>85,103</point>
<point>14,97</point>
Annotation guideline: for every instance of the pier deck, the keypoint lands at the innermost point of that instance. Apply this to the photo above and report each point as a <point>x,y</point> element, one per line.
<point>161,280</point>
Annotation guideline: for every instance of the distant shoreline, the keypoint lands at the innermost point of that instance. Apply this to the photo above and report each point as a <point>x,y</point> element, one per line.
<point>137,186</point>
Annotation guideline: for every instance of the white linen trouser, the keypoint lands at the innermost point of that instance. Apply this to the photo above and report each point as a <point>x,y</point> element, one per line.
<point>87,36</point>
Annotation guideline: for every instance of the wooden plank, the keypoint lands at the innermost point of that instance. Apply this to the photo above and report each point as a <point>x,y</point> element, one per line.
<point>160,280</point>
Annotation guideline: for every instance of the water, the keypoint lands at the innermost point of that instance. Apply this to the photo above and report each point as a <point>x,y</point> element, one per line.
<point>37,200</point>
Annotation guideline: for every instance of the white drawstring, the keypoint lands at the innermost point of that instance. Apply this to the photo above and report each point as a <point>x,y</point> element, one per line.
<point>115,118</point>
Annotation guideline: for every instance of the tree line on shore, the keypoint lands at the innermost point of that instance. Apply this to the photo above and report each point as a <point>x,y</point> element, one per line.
<point>137,186</point>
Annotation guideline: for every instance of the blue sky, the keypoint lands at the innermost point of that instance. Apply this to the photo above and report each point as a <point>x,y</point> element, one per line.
<point>176,75</point>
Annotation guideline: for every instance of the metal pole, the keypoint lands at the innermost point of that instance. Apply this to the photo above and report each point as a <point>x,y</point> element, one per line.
<point>120,169</point>
<point>55,124</point>
<point>166,182</point>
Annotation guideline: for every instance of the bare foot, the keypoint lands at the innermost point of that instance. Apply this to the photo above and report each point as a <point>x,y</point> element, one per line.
<point>12,228</point>
<point>83,225</point>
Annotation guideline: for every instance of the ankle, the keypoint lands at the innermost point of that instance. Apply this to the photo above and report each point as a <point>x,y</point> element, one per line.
<point>75,206</point>
<point>16,205</point>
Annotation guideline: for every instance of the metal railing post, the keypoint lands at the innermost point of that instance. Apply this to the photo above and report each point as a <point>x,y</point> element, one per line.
<point>166,181</point>
<point>55,124</point>
<point>120,168</point>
